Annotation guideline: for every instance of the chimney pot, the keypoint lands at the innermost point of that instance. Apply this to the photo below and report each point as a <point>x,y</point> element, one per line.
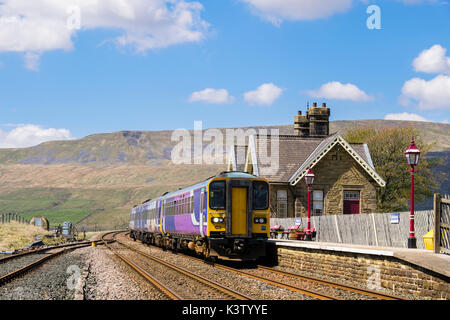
<point>299,112</point>
<point>314,104</point>
<point>324,105</point>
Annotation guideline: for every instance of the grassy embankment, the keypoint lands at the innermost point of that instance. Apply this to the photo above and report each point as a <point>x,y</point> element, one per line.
<point>15,235</point>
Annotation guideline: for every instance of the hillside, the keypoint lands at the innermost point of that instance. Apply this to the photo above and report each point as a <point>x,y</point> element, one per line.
<point>153,147</point>
<point>97,179</point>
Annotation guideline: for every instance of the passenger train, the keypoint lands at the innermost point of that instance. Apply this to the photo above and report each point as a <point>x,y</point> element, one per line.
<point>225,217</point>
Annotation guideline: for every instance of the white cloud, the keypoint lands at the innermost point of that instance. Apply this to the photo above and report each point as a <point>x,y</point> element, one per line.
<point>43,25</point>
<point>404,116</point>
<point>265,94</point>
<point>432,60</point>
<point>340,91</point>
<point>275,11</point>
<point>27,135</point>
<point>217,96</point>
<point>432,94</point>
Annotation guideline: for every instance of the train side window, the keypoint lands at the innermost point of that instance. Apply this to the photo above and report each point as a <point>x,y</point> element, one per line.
<point>217,195</point>
<point>260,195</point>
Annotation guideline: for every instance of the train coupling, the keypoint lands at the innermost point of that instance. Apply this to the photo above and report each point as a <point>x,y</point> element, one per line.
<point>238,246</point>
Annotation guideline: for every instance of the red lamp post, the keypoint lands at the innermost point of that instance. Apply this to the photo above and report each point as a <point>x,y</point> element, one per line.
<point>309,179</point>
<point>412,158</point>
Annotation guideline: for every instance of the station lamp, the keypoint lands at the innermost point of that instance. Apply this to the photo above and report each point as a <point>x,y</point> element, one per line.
<point>412,158</point>
<point>309,179</point>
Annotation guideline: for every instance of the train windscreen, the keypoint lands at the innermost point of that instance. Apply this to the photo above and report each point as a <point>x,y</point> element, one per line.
<point>217,195</point>
<point>260,195</point>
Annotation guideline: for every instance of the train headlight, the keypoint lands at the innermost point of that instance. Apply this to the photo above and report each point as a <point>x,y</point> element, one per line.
<point>260,220</point>
<point>217,220</point>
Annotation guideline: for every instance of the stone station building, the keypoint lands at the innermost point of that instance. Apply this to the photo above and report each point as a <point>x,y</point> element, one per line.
<point>345,177</point>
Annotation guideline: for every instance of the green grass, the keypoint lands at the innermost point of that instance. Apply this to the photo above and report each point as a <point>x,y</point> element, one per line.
<point>58,216</point>
<point>59,205</point>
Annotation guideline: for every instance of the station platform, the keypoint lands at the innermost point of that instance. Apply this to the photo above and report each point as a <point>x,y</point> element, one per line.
<point>427,259</point>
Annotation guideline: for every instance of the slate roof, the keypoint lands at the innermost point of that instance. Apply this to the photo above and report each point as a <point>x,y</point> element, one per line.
<point>296,154</point>
<point>240,155</point>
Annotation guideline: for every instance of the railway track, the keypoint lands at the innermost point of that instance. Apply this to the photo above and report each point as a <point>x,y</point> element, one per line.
<point>366,292</point>
<point>313,293</point>
<point>41,250</point>
<point>17,272</point>
<point>339,291</point>
<point>217,288</point>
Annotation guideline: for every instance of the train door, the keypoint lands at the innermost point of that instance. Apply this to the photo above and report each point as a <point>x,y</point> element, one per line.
<point>158,214</point>
<point>239,211</point>
<point>201,213</point>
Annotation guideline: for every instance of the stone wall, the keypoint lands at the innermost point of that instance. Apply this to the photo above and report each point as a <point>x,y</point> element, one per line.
<point>374,272</point>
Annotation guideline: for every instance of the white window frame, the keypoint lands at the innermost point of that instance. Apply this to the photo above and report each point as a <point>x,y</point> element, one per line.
<point>282,203</point>
<point>317,201</point>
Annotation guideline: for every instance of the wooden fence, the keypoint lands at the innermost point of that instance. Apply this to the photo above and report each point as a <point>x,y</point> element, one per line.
<point>10,216</point>
<point>442,223</point>
<point>372,229</point>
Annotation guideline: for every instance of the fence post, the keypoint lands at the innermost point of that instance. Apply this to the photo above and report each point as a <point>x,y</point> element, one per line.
<point>437,222</point>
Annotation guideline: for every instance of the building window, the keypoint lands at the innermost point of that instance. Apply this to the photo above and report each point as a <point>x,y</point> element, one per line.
<point>282,211</point>
<point>351,201</point>
<point>317,202</point>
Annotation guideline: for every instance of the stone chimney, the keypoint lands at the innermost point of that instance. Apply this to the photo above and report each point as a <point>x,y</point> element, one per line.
<point>301,125</point>
<point>314,124</point>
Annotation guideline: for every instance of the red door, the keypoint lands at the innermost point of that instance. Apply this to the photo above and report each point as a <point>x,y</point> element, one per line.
<point>351,202</point>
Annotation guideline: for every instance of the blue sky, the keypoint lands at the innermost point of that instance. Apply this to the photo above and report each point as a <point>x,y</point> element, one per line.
<point>228,63</point>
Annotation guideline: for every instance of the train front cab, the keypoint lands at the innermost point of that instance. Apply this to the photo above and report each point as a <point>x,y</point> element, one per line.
<point>238,217</point>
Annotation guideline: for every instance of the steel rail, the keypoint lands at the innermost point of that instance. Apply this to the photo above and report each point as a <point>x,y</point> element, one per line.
<point>278,284</point>
<point>367,292</point>
<point>20,271</point>
<point>32,251</point>
<point>273,282</point>
<point>167,291</point>
<point>230,292</point>
<point>372,293</point>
